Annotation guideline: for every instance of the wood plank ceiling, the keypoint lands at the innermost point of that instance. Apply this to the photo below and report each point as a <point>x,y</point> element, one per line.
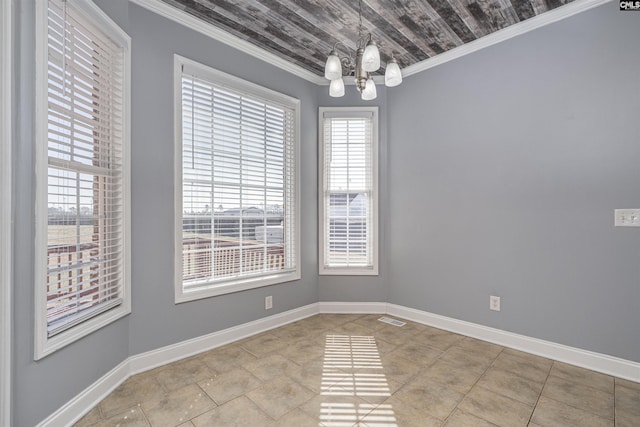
<point>304,31</point>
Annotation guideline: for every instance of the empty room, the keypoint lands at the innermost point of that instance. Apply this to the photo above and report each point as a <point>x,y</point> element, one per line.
<point>320,213</point>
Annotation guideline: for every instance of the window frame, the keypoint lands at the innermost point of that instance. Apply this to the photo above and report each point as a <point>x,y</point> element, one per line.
<point>236,84</point>
<point>45,345</point>
<point>324,269</point>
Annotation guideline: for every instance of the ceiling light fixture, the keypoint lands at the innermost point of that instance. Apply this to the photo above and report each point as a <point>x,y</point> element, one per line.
<point>366,61</point>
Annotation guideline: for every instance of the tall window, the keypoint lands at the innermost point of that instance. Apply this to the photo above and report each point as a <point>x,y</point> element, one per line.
<point>236,184</point>
<point>83,155</point>
<point>348,191</point>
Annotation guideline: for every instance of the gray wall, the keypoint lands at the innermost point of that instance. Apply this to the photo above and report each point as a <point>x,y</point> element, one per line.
<point>155,320</point>
<point>40,388</point>
<point>499,175</point>
<point>505,167</point>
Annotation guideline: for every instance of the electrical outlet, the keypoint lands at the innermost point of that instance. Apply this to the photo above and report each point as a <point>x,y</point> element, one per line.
<point>494,303</point>
<point>627,217</point>
<point>268,302</point>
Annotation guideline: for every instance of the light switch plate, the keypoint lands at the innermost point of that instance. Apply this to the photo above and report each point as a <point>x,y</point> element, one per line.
<point>627,217</point>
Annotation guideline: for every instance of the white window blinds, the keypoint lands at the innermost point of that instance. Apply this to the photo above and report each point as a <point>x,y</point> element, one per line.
<point>238,211</point>
<point>85,173</point>
<point>348,206</point>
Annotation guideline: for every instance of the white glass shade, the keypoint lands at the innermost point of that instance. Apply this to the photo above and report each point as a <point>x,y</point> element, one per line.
<point>371,58</point>
<point>333,67</point>
<point>393,74</point>
<point>369,91</point>
<point>336,89</point>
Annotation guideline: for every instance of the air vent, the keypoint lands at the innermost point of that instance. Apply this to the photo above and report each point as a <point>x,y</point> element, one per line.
<point>391,321</point>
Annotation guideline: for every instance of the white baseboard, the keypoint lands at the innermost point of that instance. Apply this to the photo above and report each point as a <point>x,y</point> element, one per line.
<point>151,359</point>
<point>574,356</point>
<point>76,408</point>
<point>352,307</point>
<point>73,410</point>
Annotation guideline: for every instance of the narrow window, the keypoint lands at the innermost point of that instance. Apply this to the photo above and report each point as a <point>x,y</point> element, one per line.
<point>348,191</point>
<point>83,155</point>
<point>236,178</point>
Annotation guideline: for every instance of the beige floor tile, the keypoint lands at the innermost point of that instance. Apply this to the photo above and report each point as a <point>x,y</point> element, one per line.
<point>303,351</point>
<point>180,374</point>
<point>408,411</point>
<point>463,358</point>
<point>627,406</point>
<point>580,396</point>
<point>240,412</point>
<point>130,418</point>
<point>481,347</point>
<point>432,399</point>
<point>551,413</point>
<point>268,367</point>
<point>292,331</point>
<point>333,410</point>
<point>511,385</point>
<point>495,408</point>
<point>263,344</point>
<point>451,376</point>
<point>627,384</point>
<point>462,419</point>
<point>279,396</point>
<point>373,388</point>
<point>393,367</point>
<point>135,390</point>
<point>315,375</point>
<point>580,375</point>
<point>227,357</point>
<point>371,321</point>
<point>296,418</point>
<point>229,385</point>
<point>384,346</point>
<point>400,415</point>
<point>352,328</point>
<point>438,338</point>
<point>177,406</point>
<point>90,418</point>
<point>534,368</point>
<point>394,335</point>
<point>187,424</point>
<point>418,353</point>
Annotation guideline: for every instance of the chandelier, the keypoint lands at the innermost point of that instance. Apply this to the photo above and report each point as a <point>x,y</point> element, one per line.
<point>366,61</point>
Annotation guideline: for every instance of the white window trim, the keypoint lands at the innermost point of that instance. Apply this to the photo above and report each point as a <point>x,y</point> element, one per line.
<point>347,271</point>
<point>6,238</point>
<point>233,83</point>
<point>44,345</point>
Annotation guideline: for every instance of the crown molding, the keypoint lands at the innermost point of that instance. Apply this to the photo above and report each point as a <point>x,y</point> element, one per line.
<point>196,24</point>
<point>507,33</point>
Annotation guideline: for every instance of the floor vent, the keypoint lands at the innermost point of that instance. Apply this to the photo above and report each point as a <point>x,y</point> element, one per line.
<point>391,321</point>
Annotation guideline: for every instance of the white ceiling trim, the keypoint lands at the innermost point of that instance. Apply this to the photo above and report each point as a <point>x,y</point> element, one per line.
<point>196,24</point>
<point>507,33</point>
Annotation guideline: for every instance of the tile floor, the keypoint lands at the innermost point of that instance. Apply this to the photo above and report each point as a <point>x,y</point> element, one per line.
<point>353,370</point>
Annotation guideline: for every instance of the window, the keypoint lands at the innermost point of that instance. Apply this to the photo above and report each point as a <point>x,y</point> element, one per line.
<point>348,192</point>
<point>236,184</point>
<point>82,205</point>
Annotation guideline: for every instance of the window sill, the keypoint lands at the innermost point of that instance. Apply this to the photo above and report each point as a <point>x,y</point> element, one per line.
<point>212,289</point>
